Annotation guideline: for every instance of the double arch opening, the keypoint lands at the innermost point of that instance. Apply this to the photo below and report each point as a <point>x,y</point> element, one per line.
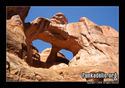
<point>42,46</point>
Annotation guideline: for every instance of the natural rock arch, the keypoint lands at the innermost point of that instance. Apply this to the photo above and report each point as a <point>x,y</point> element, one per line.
<point>84,39</point>
<point>48,56</point>
<point>95,47</point>
<point>46,30</point>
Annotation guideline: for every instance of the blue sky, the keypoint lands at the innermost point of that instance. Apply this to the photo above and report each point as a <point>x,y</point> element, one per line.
<point>101,15</point>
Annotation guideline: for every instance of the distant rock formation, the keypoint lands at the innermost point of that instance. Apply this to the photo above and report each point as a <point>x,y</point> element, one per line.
<point>95,48</point>
<point>48,54</point>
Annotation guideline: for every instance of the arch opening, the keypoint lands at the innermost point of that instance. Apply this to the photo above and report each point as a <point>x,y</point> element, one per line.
<point>68,54</point>
<point>41,45</point>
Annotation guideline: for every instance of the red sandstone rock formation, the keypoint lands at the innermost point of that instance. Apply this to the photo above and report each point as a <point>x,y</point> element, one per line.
<point>59,18</point>
<point>95,47</point>
<point>15,36</point>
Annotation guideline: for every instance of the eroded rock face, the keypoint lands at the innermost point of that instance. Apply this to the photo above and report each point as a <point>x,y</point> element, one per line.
<point>18,70</point>
<point>95,48</point>
<point>112,37</point>
<point>15,36</point>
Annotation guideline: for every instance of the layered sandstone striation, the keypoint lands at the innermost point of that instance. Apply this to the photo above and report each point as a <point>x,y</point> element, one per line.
<point>95,48</point>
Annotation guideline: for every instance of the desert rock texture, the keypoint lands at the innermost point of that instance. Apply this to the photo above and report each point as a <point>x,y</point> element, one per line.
<point>95,48</point>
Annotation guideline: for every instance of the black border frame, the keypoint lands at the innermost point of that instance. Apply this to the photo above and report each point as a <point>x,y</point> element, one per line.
<point>45,3</point>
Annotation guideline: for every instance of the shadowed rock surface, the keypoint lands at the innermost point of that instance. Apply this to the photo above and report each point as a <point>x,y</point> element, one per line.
<point>22,11</point>
<point>95,48</point>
